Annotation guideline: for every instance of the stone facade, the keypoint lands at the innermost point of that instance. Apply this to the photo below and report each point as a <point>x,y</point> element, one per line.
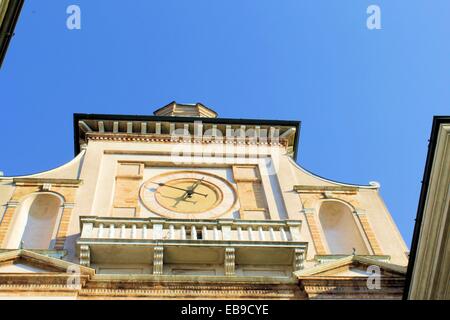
<point>183,204</point>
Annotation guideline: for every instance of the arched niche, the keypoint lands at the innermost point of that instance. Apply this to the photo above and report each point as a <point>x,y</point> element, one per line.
<point>340,230</point>
<point>35,222</point>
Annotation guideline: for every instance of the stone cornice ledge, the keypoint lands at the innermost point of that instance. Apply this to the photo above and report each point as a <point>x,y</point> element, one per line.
<point>54,181</point>
<point>318,189</point>
<point>197,279</point>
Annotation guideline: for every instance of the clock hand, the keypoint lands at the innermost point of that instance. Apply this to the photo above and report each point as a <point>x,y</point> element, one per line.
<point>173,187</point>
<point>188,191</point>
<point>179,199</point>
<point>195,192</point>
<point>196,184</point>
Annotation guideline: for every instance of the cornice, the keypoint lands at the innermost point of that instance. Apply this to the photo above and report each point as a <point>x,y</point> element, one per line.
<point>85,124</point>
<point>24,181</point>
<point>165,138</point>
<point>322,189</point>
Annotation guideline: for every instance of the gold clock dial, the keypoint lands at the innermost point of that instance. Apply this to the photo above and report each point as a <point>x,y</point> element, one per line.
<point>187,195</point>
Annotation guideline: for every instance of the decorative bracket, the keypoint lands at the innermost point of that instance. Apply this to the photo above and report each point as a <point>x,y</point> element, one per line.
<point>229,261</point>
<point>85,255</point>
<point>299,258</point>
<point>158,255</point>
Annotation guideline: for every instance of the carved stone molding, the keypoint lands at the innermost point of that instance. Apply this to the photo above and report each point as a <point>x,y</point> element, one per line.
<point>351,288</point>
<point>281,142</point>
<point>203,292</point>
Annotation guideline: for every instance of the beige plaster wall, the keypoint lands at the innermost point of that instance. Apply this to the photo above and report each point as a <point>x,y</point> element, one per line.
<point>367,199</point>
<point>96,168</point>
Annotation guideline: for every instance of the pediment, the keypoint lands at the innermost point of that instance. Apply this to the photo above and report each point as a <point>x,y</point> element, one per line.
<point>29,262</point>
<point>352,266</point>
<point>22,267</point>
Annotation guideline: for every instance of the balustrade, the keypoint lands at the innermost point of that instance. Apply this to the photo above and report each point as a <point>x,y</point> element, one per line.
<point>191,230</point>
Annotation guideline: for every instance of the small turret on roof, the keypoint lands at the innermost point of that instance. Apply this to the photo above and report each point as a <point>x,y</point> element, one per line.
<point>175,109</point>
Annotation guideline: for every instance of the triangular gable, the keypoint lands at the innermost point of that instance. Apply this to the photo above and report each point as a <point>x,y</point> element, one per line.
<point>351,266</point>
<point>21,267</point>
<point>26,261</point>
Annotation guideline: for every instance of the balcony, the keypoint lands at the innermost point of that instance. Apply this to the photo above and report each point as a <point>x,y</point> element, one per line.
<point>159,242</point>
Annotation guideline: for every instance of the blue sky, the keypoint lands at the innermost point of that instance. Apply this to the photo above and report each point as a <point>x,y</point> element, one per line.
<point>365,97</point>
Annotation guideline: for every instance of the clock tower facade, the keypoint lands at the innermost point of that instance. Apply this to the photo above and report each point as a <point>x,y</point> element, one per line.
<point>183,204</point>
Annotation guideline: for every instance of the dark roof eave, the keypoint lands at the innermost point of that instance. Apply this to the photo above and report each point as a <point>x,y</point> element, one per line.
<point>9,24</point>
<point>437,122</point>
<point>83,116</point>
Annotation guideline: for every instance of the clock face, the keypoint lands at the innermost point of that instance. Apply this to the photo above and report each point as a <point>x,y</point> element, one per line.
<point>188,194</point>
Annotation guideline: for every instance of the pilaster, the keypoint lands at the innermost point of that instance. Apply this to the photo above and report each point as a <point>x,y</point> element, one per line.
<point>6,220</point>
<point>63,226</point>
<point>361,214</point>
<point>314,229</point>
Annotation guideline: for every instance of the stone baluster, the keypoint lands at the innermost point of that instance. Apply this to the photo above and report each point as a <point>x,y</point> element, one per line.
<point>183,233</point>
<point>133,231</point>
<point>204,233</point>
<point>144,231</point>
<point>193,233</point>
<point>100,230</point>
<point>283,234</point>
<point>261,233</point>
<point>122,231</point>
<point>112,231</point>
<point>240,234</point>
<point>171,232</point>
<point>250,233</point>
<point>272,234</point>
<point>215,233</point>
